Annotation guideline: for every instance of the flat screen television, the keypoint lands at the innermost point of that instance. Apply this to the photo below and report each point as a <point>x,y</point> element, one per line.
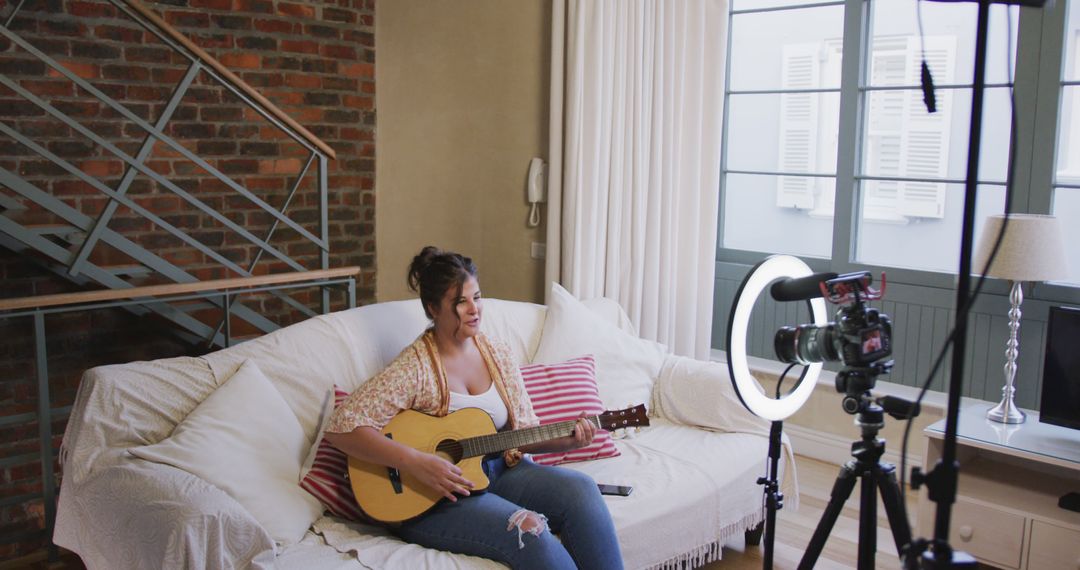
<point>1060,403</point>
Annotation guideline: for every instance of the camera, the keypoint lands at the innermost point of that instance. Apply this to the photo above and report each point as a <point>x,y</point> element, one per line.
<point>860,337</point>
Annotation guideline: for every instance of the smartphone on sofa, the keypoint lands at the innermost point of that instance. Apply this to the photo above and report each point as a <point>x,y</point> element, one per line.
<point>619,490</point>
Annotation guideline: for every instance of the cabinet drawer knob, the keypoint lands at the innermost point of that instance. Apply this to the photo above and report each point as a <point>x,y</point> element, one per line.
<point>966,532</point>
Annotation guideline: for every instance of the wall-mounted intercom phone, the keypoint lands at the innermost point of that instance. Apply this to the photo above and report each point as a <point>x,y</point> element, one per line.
<point>537,185</point>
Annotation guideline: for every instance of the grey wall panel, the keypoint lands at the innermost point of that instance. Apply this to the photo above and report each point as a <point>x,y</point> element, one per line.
<point>979,344</point>
<point>909,332</point>
<point>995,355</point>
<point>1040,359</point>
<point>1029,375</point>
<point>939,335</point>
<point>923,344</point>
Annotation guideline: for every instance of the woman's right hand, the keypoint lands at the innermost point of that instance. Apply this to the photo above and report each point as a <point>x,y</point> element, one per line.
<point>439,474</point>
<point>367,444</point>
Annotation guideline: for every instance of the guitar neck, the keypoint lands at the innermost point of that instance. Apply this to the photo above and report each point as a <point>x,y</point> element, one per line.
<point>496,442</point>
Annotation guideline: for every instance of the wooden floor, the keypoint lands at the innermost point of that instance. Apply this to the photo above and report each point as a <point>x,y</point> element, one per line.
<point>794,528</point>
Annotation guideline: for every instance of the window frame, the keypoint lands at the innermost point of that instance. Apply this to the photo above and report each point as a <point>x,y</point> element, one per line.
<point>1038,78</point>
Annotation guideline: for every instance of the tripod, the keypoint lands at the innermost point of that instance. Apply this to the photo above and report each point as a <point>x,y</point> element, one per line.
<point>876,476</point>
<point>774,499</point>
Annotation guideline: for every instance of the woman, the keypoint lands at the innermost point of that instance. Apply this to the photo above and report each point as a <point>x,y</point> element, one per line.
<point>452,366</point>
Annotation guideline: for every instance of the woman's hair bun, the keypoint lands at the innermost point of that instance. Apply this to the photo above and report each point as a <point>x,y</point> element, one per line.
<point>420,262</point>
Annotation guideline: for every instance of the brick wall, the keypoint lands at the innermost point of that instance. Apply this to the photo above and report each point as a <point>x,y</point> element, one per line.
<point>315,60</point>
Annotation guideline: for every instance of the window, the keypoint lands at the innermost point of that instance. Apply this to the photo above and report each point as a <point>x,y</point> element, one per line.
<point>831,155</point>
<point>910,185</point>
<point>785,115</point>
<point>829,145</point>
<point>1066,197</point>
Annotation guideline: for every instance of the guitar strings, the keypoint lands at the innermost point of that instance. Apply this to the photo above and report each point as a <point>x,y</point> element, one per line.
<point>491,443</point>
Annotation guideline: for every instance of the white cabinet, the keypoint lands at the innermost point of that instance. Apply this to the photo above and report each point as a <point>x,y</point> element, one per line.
<point>1054,546</point>
<point>997,535</point>
<point>1011,477</point>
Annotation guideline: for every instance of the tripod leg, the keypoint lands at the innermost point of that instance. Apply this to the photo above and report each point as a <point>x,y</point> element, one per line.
<point>868,520</point>
<point>841,490</point>
<point>894,506</point>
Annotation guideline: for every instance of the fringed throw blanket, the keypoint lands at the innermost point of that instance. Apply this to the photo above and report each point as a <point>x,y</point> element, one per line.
<point>694,473</point>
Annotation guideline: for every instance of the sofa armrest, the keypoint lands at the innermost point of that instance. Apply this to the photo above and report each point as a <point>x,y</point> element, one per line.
<point>700,394</point>
<point>138,514</point>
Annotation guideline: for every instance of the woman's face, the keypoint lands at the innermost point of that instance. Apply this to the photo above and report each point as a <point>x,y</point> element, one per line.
<point>466,307</point>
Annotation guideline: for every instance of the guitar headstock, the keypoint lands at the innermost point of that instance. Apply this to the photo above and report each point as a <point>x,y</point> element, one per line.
<point>635,416</point>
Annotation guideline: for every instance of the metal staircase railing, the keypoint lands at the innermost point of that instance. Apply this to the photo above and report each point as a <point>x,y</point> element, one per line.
<point>73,242</point>
<point>45,305</point>
<point>67,251</point>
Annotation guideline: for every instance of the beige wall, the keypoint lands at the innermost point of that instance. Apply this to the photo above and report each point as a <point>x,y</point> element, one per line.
<point>462,97</point>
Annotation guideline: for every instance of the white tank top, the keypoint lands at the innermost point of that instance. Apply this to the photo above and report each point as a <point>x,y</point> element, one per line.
<point>489,401</point>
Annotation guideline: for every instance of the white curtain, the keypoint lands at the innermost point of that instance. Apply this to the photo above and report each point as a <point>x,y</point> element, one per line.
<point>636,113</point>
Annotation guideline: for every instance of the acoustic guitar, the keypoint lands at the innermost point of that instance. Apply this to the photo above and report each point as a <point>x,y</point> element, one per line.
<point>463,437</point>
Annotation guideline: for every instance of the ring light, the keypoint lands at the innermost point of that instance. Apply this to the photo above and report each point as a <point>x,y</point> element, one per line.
<point>746,386</point>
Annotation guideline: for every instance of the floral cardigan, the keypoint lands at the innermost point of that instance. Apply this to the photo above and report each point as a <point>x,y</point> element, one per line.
<point>416,380</point>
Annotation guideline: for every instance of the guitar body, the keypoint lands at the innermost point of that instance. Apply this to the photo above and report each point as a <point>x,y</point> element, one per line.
<point>388,495</point>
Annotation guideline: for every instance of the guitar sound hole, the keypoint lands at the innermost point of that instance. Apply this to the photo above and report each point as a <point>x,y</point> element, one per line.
<point>449,450</point>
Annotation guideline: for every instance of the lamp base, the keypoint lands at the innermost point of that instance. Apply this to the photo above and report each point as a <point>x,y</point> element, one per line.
<point>1006,412</point>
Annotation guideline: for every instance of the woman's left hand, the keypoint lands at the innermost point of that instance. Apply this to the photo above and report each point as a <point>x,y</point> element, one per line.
<point>584,432</point>
<point>583,435</point>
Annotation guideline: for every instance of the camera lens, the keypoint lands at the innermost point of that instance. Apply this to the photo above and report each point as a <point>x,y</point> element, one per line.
<point>784,343</point>
<point>806,344</point>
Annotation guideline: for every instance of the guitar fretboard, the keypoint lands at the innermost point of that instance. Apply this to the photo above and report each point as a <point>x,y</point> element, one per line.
<point>496,442</point>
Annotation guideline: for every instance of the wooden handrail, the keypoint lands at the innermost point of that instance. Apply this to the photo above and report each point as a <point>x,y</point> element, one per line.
<point>58,299</point>
<point>232,77</point>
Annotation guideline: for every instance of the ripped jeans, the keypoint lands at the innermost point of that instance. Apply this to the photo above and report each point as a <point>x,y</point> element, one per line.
<point>489,524</point>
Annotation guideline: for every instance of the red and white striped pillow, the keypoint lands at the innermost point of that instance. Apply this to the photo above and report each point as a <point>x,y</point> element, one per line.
<point>328,479</point>
<point>561,392</point>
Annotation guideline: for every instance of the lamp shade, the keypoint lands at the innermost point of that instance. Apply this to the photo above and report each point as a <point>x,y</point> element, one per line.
<point>1031,250</point>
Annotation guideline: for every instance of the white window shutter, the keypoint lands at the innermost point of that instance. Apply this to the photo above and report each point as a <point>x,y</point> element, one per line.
<point>798,124</point>
<point>925,140</point>
<point>889,65</point>
<point>828,137</point>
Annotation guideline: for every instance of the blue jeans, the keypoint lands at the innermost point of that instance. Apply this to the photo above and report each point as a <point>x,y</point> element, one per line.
<point>477,524</point>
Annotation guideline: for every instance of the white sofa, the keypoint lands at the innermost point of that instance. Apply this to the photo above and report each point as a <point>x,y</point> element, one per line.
<point>693,471</point>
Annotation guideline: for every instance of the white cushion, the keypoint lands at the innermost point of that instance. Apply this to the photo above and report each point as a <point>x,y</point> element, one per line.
<point>517,324</point>
<point>245,439</point>
<point>626,366</point>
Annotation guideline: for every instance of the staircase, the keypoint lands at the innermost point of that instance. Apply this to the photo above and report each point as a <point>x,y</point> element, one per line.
<point>118,190</point>
<point>84,250</point>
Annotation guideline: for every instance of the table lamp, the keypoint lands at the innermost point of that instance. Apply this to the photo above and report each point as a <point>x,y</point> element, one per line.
<point>1032,249</point>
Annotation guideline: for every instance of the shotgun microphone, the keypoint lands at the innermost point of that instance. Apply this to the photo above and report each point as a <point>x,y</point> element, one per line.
<point>800,289</point>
